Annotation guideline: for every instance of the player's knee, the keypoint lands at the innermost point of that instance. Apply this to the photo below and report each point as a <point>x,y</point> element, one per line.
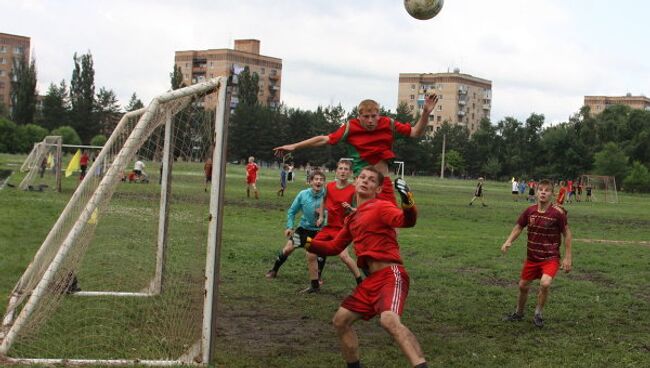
<point>390,322</point>
<point>524,286</point>
<point>545,283</point>
<point>339,322</point>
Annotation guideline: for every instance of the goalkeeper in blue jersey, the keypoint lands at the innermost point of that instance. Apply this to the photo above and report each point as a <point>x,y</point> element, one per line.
<point>308,201</point>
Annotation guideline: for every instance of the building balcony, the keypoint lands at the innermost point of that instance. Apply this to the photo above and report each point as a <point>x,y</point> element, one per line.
<point>487,95</point>
<point>461,113</point>
<point>486,106</point>
<point>462,90</point>
<point>462,102</point>
<point>274,77</point>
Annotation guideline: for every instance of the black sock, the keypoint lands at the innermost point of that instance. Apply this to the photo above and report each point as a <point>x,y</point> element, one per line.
<point>356,364</point>
<point>321,265</point>
<point>359,279</point>
<point>281,258</point>
<point>422,365</point>
<point>314,284</point>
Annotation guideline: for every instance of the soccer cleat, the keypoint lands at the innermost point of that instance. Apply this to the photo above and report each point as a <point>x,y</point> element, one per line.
<point>271,274</point>
<point>538,320</point>
<point>514,317</point>
<point>310,290</point>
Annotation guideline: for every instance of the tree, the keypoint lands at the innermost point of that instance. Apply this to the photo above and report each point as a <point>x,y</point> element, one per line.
<point>638,180</point>
<point>82,97</point>
<point>98,140</point>
<point>134,103</point>
<point>107,110</point>
<point>27,135</point>
<point>23,91</point>
<point>4,111</point>
<point>8,141</point>
<point>56,107</point>
<point>492,168</point>
<point>454,161</point>
<point>176,77</point>
<point>249,87</point>
<point>68,135</point>
<point>611,161</point>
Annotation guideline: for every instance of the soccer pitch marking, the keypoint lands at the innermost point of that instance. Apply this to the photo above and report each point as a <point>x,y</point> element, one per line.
<point>616,242</point>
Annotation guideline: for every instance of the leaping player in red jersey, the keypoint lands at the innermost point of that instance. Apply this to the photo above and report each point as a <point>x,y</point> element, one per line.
<point>370,139</point>
<point>372,229</point>
<point>547,223</point>
<point>251,177</point>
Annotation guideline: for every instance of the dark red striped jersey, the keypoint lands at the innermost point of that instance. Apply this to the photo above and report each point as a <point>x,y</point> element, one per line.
<point>544,232</point>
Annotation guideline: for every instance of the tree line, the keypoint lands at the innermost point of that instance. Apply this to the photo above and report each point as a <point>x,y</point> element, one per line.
<point>613,142</point>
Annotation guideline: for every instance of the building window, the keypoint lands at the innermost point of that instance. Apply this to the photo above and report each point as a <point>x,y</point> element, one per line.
<point>412,97</point>
<point>439,97</point>
<point>274,72</point>
<point>412,86</point>
<point>472,116</point>
<point>439,118</point>
<point>3,49</point>
<point>211,64</point>
<point>3,61</point>
<point>412,107</point>
<point>2,73</point>
<point>18,50</point>
<point>431,117</point>
<point>263,71</point>
<point>2,85</point>
<point>439,107</point>
<point>187,65</point>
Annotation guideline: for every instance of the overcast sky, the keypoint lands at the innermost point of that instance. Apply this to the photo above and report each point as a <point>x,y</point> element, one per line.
<point>541,56</point>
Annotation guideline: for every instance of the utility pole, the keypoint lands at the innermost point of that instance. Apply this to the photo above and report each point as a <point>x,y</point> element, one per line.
<point>442,161</point>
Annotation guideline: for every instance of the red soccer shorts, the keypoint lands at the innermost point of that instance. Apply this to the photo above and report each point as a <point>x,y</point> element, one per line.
<point>535,270</point>
<point>251,179</point>
<point>387,193</point>
<point>383,290</point>
<point>327,233</point>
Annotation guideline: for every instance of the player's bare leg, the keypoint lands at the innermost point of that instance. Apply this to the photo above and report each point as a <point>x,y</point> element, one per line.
<point>342,321</point>
<point>312,266</point>
<point>542,296</point>
<point>391,322</point>
<point>351,264</point>
<point>522,297</point>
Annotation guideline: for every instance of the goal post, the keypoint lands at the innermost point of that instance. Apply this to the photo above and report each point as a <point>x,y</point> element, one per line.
<point>43,165</point>
<point>148,244</point>
<point>599,188</point>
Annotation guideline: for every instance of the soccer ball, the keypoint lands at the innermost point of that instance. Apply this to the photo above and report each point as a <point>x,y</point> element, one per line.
<point>423,9</point>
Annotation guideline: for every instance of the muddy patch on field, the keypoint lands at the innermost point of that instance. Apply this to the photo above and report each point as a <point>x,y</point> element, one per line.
<point>490,280</point>
<point>594,277</point>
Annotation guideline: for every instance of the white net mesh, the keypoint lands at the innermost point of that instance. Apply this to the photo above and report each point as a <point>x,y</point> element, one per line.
<point>99,286</point>
<point>599,188</point>
<point>43,166</point>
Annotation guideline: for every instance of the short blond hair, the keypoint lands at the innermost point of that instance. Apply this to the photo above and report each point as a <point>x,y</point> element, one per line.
<point>368,106</point>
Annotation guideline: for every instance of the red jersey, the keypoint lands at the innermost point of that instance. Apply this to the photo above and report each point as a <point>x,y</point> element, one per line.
<point>372,229</point>
<point>83,161</point>
<point>570,185</point>
<point>560,196</point>
<point>367,147</point>
<point>544,232</point>
<point>251,171</point>
<point>333,198</point>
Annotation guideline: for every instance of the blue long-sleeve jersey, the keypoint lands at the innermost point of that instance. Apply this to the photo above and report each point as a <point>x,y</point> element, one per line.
<point>308,202</point>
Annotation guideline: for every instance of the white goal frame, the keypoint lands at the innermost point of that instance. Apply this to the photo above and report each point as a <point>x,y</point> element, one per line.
<point>586,180</point>
<point>200,353</point>
<point>32,163</point>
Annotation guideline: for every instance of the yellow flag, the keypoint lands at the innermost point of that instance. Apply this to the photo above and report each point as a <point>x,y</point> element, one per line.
<point>93,218</point>
<point>74,164</point>
<point>50,161</point>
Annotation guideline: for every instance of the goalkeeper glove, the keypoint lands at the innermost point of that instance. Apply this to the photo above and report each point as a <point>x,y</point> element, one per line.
<point>308,242</point>
<point>405,193</point>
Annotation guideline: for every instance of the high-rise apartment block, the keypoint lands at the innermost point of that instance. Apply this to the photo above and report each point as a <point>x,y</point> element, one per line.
<point>598,104</point>
<point>463,99</point>
<point>200,65</point>
<point>11,47</point>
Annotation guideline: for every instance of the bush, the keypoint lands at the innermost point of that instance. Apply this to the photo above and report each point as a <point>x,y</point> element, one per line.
<point>68,135</point>
<point>98,140</point>
<point>638,180</point>
<point>27,135</point>
<point>8,143</point>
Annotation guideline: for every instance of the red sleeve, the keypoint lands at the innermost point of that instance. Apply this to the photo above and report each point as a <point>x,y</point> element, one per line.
<point>336,136</point>
<point>523,218</point>
<point>402,128</point>
<point>396,217</point>
<point>331,247</point>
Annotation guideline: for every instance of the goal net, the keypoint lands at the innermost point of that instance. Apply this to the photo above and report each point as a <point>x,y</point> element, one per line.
<point>127,273</point>
<point>598,188</point>
<point>43,166</point>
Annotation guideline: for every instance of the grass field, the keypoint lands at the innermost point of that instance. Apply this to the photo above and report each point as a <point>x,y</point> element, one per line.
<point>461,285</point>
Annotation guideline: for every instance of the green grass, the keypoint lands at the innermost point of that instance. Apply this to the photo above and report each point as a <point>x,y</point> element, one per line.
<point>461,286</point>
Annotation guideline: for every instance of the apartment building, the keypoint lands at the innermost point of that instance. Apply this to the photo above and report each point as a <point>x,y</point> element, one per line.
<point>598,104</point>
<point>11,47</point>
<point>463,99</point>
<point>199,65</point>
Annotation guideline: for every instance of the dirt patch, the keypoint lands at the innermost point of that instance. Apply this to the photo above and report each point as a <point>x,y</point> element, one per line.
<point>615,242</point>
<point>469,270</point>
<point>595,277</point>
<point>497,281</point>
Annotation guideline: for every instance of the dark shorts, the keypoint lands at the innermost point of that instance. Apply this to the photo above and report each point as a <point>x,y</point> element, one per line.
<point>531,191</point>
<point>299,237</point>
<point>515,192</point>
<point>137,172</point>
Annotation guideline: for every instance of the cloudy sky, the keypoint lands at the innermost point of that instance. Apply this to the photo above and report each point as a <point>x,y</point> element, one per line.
<point>541,56</point>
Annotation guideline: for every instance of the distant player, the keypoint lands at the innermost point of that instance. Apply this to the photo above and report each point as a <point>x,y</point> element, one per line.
<point>370,139</point>
<point>339,196</point>
<point>515,190</point>
<point>251,177</point>
<point>372,230</point>
<point>83,164</point>
<point>138,169</point>
<point>547,224</point>
<point>478,193</point>
<point>283,180</point>
<point>308,201</point>
<point>207,170</point>
<point>561,195</point>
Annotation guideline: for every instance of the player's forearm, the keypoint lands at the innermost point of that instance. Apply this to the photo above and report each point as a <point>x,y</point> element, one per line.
<point>317,141</point>
<point>514,234</point>
<point>418,129</point>
<point>327,248</point>
<point>568,239</point>
<point>410,216</point>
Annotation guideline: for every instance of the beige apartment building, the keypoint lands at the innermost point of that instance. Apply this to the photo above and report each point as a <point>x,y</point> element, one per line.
<point>199,65</point>
<point>598,104</point>
<point>463,99</point>
<point>11,47</point>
